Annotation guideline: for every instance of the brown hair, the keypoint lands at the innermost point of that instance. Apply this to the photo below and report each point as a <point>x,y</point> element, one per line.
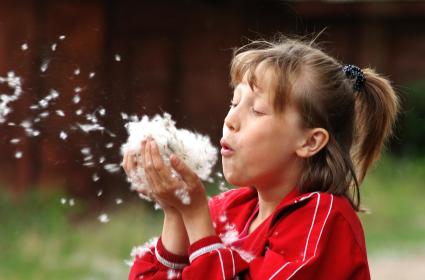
<point>358,122</point>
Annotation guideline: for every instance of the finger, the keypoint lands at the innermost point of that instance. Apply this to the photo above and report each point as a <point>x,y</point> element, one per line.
<point>146,195</point>
<point>123,160</point>
<point>163,172</point>
<point>144,163</point>
<point>149,168</point>
<point>157,163</point>
<point>130,161</point>
<point>142,153</point>
<point>184,171</point>
<point>124,163</point>
<point>128,165</point>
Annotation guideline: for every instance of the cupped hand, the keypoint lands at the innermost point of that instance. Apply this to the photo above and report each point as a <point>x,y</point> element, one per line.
<point>166,187</point>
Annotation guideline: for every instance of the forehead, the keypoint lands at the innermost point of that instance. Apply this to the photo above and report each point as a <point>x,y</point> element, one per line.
<point>261,81</point>
<point>265,77</point>
<point>244,89</point>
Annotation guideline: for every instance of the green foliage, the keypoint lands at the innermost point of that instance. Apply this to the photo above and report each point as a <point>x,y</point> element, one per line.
<point>394,193</point>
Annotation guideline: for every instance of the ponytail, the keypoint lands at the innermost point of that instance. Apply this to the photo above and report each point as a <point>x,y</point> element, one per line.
<point>376,108</point>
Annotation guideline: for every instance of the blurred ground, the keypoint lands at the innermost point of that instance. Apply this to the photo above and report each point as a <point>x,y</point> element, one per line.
<point>393,265</point>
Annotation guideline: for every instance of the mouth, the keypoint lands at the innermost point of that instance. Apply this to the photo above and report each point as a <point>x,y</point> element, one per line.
<point>226,149</point>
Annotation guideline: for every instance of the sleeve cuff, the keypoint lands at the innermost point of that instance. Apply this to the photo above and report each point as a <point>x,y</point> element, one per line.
<point>169,259</point>
<point>203,246</point>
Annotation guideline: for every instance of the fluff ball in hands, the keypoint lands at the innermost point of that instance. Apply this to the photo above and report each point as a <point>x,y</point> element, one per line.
<point>194,149</point>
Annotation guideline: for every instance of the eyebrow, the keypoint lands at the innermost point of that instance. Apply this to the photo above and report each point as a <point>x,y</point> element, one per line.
<point>253,90</point>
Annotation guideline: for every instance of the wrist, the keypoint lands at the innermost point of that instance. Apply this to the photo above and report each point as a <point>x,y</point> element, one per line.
<point>174,236</point>
<point>172,213</point>
<point>203,246</point>
<point>198,224</point>
<point>170,259</point>
<point>194,209</point>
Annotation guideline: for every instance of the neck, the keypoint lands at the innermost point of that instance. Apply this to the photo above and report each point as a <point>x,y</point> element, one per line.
<point>268,200</point>
<point>270,195</point>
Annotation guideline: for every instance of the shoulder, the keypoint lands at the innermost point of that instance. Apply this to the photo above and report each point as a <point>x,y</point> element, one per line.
<point>324,207</point>
<point>327,210</point>
<point>319,217</point>
<point>341,218</point>
<point>319,234</point>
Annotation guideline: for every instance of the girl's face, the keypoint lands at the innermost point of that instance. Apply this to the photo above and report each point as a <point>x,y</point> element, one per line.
<point>259,144</point>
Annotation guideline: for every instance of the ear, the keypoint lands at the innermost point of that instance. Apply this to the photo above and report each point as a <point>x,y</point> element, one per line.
<point>315,140</point>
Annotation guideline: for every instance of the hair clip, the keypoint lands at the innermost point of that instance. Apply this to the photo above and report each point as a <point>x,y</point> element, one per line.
<point>352,71</point>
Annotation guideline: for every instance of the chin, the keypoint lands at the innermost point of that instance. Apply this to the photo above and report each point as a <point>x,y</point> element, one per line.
<point>235,181</point>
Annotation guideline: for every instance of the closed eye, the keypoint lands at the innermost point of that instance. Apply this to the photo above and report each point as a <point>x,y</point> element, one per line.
<point>257,113</point>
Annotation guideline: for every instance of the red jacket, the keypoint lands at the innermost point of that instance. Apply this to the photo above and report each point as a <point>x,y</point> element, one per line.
<point>308,236</point>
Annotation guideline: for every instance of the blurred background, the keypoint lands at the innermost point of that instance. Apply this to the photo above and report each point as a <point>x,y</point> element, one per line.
<point>66,210</point>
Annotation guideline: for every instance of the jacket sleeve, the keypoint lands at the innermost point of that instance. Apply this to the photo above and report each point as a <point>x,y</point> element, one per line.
<point>211,259</point>
<point>208,256</point>
<point>155,262</point>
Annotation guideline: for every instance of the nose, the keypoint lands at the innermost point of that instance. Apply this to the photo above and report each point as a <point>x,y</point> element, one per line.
<point>232,121</point>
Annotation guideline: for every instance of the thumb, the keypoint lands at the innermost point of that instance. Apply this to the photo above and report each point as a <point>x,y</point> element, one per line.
<point>184,171</point>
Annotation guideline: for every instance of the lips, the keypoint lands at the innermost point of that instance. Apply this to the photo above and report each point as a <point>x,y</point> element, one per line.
<point>226,149</point>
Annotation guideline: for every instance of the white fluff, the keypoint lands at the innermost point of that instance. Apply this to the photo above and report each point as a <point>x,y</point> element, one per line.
<point>183,195</point>
<point>230,234</point>
<point>14,82</point>
<point>103,218</point>
<point>44,66</point>
<point>194,149</point>
<point>139,251</point>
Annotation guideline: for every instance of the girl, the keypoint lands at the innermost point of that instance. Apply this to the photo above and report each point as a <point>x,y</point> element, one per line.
<point>300,135</point>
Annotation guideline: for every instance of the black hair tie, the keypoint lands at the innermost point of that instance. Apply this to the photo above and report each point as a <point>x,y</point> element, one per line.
<point>354,72</point>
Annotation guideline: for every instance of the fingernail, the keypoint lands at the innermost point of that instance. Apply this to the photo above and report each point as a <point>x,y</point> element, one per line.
<point>174,159</point>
